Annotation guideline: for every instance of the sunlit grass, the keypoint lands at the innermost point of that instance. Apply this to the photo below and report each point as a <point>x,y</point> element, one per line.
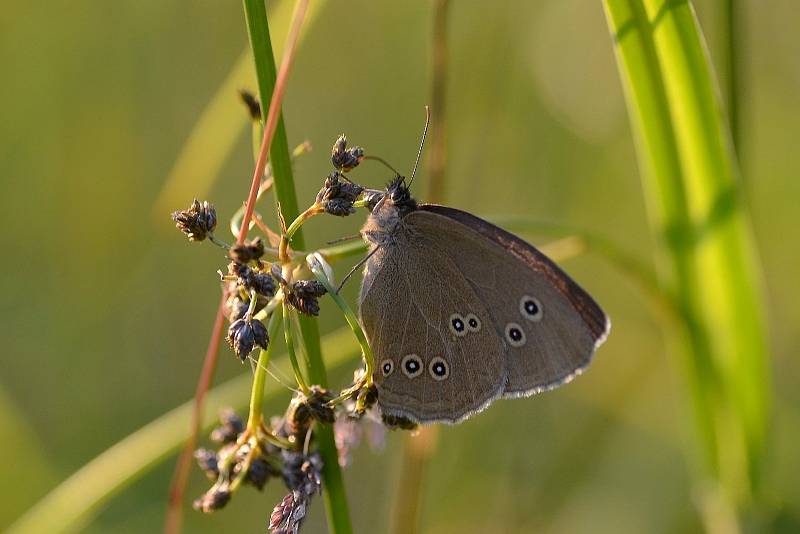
<point>706,254</point>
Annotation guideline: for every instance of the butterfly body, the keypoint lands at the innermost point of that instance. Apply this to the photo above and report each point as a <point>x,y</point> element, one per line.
<point>459,312</point>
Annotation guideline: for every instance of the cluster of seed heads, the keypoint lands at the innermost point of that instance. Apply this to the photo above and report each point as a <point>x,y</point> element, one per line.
<point>285,449</point>
<point>256,464</point>
<point>338,194</point>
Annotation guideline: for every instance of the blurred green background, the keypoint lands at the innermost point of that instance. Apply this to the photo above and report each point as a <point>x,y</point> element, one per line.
<point>106,308</point>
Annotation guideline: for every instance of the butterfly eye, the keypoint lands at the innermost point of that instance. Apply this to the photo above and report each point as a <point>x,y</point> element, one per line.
<point>411,365</point>
<point>387,366</point>
<point>439,369</point>
<point>531,308</point>
<point>457,325</point>
<point>473,323</point>
<point>515,335</point>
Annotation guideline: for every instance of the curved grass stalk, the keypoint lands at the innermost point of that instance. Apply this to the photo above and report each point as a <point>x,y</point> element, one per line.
<point>706,252</point>
<point>318,267</point>
<point>260,376</point>
<point>73,503</point>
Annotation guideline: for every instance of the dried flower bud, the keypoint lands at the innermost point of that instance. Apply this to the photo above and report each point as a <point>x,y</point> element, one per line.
<point>303,294</point>
<point>244,335</point>
<point>298,418</point>
<point>302,472</point>
<point>236,308</point>
<point>262,283</point>
<point>207,461</point>
<point>247,251</point>
<point>338,195</point>
<point>212,500</point>
<point>232,425</point>
<point>343,158</point>
<point>308,288</point>
<point>251,102</point>
<point>338,207</point>
<point>260,472</point>
<point>303,408</point>
<point>307,306</point>
<point>366,399</point>
<point>196,222</point>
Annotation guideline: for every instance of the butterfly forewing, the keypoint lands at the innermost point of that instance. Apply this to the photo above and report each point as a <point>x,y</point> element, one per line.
<point>548,325</point>
<point>416,307</point>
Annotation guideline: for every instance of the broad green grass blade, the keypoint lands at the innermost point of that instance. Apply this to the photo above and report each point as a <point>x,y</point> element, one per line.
<point>73,503</point>
<point>706,252</point>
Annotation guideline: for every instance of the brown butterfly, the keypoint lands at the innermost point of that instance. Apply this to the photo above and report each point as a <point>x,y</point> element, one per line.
<point>460,312</point>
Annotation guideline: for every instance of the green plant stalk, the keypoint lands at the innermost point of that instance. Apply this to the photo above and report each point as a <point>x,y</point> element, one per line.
<point>260,376</point>
<point>342,251</point>
<point>74,502</point>
<point>319,272</point>
<point>704,241</point>
<point>287,333</point>
<point>266,75</point>
<point>338,513</point>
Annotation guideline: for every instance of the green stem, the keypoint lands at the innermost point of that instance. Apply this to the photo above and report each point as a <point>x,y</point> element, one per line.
<point>279,156</point>
<point>287,333</point>
<point>334,493</point>
<point>340,252</point>
<point>260,376</point>
<point>315,264</point>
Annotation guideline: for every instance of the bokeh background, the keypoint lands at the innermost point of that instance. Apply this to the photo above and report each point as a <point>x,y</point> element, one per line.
<point>106,308</point>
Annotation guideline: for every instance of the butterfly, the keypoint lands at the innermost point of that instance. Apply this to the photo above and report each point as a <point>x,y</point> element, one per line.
<point>459,312</point>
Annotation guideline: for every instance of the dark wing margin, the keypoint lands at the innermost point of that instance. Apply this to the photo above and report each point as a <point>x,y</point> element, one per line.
<point>594,317</point>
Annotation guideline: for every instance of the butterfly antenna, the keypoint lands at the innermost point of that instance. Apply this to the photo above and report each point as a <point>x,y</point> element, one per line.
<point>421,144</point>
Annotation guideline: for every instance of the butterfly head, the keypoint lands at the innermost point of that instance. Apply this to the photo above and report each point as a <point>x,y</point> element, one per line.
<point>398,196</point>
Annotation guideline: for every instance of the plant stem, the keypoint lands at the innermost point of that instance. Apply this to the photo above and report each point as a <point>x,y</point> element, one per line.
<point>287,333</point>
<point>271,87</point>
<point>316,267</point>
<point>258,29</point>
<point>260,376</point>
<point>293,228</point>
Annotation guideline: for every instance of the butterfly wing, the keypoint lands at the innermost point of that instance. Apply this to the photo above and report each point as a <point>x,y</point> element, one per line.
<point>549,325</point>
<point>427,369</point>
